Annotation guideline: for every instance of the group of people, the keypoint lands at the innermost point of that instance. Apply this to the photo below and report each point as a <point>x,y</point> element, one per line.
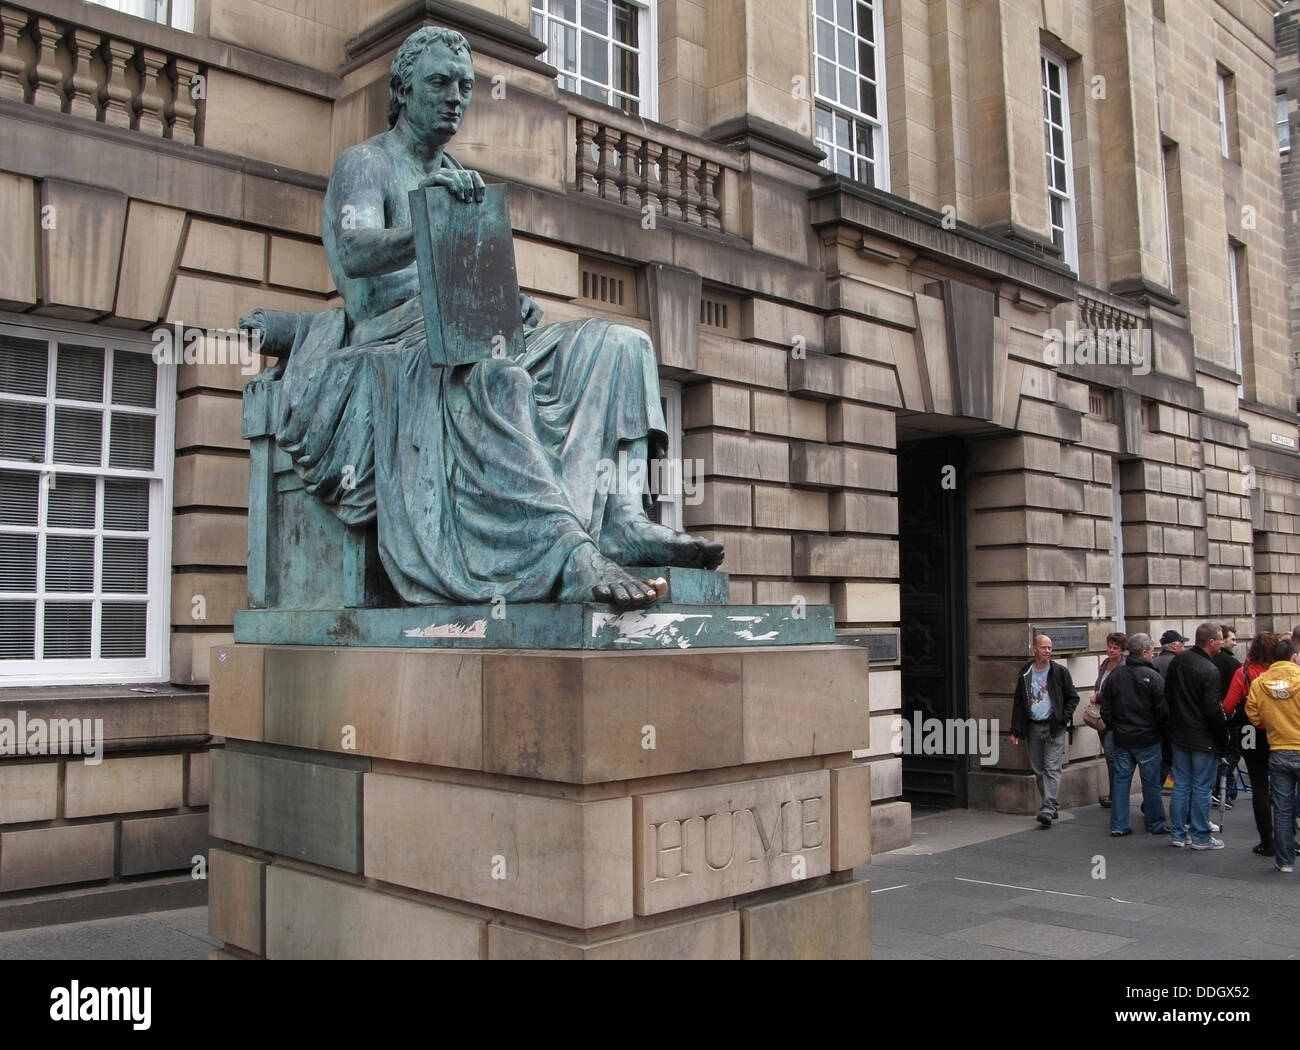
<point>1191,711</point>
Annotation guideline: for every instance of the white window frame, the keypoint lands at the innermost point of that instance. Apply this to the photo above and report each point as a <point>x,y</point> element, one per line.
<point>879,122</point>
<point>1169,216</point>
<point>647,32</point>
<point>1234,299</point>
<point>672,504</point>
<point>1070,229</point>
<point>1283,121</point>
<point>1225,147</point>
<point>1121,612</point>
<point>155,666</point>
<point>179,14</point>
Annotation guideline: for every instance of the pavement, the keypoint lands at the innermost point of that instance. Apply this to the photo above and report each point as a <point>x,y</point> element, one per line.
<point>973,885</point>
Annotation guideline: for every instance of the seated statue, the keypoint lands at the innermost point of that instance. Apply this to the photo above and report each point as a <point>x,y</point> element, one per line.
<point>482,479</point>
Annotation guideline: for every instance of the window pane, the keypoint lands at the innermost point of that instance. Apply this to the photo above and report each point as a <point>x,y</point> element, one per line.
<point>866,59</point>
<point>22,431</point>
<point>123,630</point>
<point>826,80</point>
<point>126,505</point>
<point>848,87</point>
<point>844,13</point>
<point>80,373</point>
<point>126,566</point>
<point>72,502</point>
<point>563,53</point>
<point>1058,114</point>
<point>595,59</point>
<point>626,72</point>
<point>847,48</point>
<point>77,436</point>
<point>825,40</point>
<point>826,8</point>
<point>866,23</point>
<point>868,101</point>
<point>566,9</point>
<point>18,630</point>
<point>19,496</point>
<point>135,380</point>
<point>23,364</point>
<point>131,442</point>
<point>595,15</point>
<point>67,630</point>
<point>626,24</point>
<point>70,563</point>
<point>17,562</point>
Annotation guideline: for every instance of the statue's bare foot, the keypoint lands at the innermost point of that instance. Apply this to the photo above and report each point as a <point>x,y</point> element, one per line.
<point>591,575</point>
<point>639,541</point>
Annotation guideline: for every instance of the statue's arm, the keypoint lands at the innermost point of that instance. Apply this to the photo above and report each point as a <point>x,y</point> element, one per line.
<point>366,246</point>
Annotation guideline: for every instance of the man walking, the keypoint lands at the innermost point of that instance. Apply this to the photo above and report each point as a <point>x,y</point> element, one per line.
<point>1198,733</point>
<point>1133,708</point>
<point>1041,714</point>
<point>1227,663</point>
<point>1274,706</point>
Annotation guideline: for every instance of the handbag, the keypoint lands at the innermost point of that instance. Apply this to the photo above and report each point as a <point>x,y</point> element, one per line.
<point>1092,717</point>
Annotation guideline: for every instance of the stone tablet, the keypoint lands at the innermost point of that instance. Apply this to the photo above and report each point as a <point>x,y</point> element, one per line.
<point>470,293</point>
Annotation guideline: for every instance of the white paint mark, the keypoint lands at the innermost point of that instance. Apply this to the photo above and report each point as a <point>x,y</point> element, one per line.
<point>1034,889</point>
<point>478,629</point>
<point>889,889</point>
<point>633,628</point>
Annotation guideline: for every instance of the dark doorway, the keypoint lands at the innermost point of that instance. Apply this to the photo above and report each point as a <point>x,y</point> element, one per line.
<point>932,555</point>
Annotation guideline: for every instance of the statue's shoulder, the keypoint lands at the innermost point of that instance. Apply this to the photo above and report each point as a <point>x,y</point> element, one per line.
<point>365,158</point>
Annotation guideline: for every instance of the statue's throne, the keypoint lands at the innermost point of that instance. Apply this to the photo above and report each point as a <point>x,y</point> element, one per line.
<point>333,566</point>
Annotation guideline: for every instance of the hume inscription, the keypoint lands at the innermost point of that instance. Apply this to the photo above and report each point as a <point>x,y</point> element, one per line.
<point>706,844</point>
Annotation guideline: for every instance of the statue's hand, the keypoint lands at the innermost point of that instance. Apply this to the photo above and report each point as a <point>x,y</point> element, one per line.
<point>463,185</point>
<point>529,312</point>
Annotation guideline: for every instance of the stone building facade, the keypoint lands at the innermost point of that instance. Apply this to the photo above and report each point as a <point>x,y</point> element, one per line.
<point>972,312</point>
<point>1287,29</point>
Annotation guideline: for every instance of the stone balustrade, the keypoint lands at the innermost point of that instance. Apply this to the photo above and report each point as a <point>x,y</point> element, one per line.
<point>1101,311</point>
<point>625,160</point>
<point>89,74</point>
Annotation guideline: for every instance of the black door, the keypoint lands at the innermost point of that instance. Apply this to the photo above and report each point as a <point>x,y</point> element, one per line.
<point>932,553</point>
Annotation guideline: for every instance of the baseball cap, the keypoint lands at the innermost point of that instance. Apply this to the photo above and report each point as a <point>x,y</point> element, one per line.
<point>1169,637</point>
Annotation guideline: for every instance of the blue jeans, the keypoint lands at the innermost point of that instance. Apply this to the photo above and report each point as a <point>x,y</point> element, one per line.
<point>1194,773</point>
<point>1147,759</point>
<point>1108,749</point>
<point>1283,778</point>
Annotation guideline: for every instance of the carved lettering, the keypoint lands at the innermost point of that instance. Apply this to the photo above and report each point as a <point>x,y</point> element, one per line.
<point>662,851</point>
<point>814,821</point>
<point>711,849</point>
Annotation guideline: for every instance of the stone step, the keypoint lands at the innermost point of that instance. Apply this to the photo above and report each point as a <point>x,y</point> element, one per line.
<point>589,627</point>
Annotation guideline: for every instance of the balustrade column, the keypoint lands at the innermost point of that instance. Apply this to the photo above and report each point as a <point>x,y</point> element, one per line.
<point>712,206</point>
<point>149,104</point>
<point>607,167</point>
<point>182,109</point>
<point>585,163</point>
<point>81,88</point>
<point>691,197</point>
<point>651,188</point>
<point>115,95</point>
<point>629,179</point>
<point>13,69</point>
<point>45,76</point>
<point>672,172</point>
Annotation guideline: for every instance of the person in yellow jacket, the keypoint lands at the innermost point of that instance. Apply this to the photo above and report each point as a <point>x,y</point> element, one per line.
<point>1274,706</point>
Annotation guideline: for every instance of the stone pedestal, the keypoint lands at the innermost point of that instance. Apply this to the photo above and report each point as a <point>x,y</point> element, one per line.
<point>434,803</point>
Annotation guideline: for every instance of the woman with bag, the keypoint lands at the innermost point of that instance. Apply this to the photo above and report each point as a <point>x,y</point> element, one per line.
<point>1259,657</point>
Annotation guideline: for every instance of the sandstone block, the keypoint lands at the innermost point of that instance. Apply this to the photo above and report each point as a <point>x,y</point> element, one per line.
<point>564,862</point>
<point>830,923</point>
<point>170,843</point>
<point>55,856</point>
<point>236,899</point>
<point>309,917</point>
<point>29,791</point>
<point>706,844</point>
<point>850,817</point>
<point>714,938</point>
<point>123,785</point>
<point>805,702</point>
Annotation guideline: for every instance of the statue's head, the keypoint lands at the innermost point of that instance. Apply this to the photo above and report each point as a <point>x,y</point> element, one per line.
<point>432,77</point>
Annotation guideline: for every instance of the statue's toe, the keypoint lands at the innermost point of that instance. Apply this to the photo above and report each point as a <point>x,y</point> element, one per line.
<point>711,554</point>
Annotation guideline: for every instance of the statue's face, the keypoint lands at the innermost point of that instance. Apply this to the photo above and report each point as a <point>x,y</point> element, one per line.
<point>441,86</point>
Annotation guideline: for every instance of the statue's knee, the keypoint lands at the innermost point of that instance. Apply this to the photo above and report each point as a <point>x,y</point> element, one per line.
<point>507,382</point>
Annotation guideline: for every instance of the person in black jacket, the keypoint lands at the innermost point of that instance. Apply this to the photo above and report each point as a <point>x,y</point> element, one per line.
<point>1042,713</point>
<point>1198,733</point>
<point>1133,708</point>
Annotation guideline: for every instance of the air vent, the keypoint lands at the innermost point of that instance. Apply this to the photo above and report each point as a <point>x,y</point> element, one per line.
<point>608,287</point>
<point>1101,404</point>
<point>720,312</point>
